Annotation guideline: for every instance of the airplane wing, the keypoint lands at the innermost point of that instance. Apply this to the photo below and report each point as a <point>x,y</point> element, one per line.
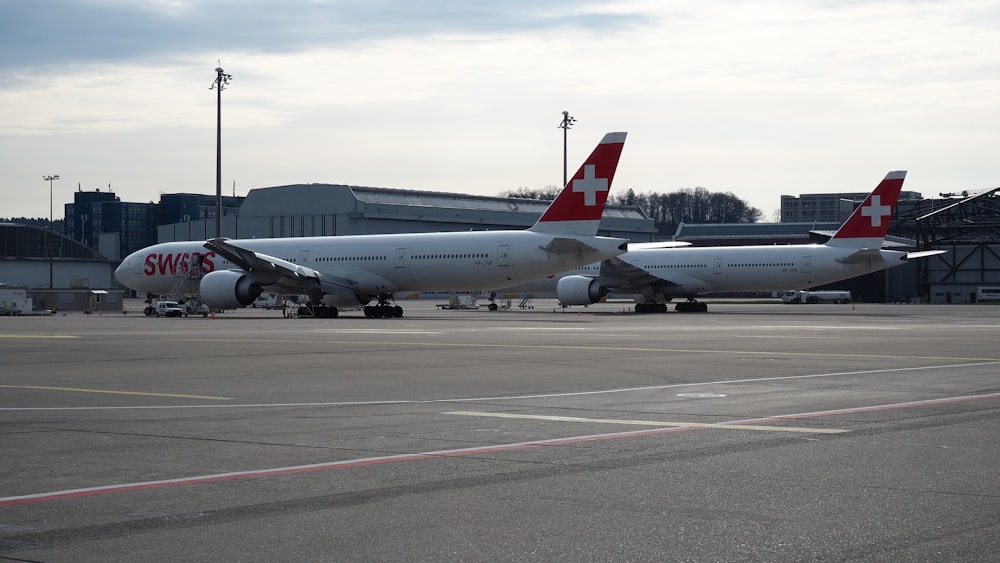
<point>257,264</point>
<point>619,274</point>
<point>270,270</point>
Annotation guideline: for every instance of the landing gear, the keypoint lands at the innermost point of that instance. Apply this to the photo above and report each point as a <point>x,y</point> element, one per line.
<point>383,310</point>
<point>691,306</point>
<point>324,312</point>
<point>642,308</point>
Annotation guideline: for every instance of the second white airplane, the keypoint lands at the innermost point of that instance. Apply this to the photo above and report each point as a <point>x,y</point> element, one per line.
<point>348,271</point>
<point>654,276</point>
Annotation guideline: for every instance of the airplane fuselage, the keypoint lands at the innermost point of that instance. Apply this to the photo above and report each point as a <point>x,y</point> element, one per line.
<point>687,272</point>
<point>383,264</point>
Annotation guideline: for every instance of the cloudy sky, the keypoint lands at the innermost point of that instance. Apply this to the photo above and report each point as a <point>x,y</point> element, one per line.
<point>756,98</point>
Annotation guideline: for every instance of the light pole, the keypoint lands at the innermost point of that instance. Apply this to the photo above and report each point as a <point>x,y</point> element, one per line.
<point>48,239</point>
<point>566,123</point>
<point>221,80</point>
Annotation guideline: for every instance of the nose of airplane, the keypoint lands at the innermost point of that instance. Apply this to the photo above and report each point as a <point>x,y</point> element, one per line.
<point>120,272</point>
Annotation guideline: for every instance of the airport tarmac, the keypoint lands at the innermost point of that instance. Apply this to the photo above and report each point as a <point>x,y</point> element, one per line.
<point>753,432</point>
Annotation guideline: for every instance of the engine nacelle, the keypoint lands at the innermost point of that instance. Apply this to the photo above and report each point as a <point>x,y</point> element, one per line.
<point>228,289</point>
<point>579,290</point>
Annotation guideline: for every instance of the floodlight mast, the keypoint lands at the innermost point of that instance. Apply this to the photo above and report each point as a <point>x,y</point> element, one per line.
<point>48,241</point>
<point>566,123</point>
<point>221,80</point>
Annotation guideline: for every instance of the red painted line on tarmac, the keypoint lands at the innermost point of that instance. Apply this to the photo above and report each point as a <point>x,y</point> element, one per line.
<point>362,462</point>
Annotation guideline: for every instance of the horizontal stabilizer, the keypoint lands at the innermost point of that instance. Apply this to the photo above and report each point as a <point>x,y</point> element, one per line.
<point>861,256</point>
<point>658,244</point>
<point>923,254</point>
<point>562,245</point>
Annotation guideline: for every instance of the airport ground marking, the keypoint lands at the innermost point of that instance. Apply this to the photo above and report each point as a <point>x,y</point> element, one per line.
<point>505,397</point>
<point>112,392</point>
<point>459,452</point>
<point>871,408</point>
<point>40,336</point>
<point>720,425</point>
<point>596,347</point>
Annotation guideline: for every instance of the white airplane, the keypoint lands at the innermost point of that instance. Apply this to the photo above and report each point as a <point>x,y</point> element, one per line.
<point>349,271</point>
<point>656,275</point>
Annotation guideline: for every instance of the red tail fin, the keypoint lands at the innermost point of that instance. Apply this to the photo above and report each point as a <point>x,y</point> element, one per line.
<point>869,223</point>
<point>578,208</point>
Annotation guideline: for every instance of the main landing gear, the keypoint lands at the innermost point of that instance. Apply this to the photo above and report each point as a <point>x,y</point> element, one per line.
<point>643,308</point>
<point>383,310</point>
<point>691,306</point>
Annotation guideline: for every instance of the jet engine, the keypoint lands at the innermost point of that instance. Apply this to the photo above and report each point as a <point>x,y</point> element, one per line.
<point>579,290</point>
<point>228,289</point>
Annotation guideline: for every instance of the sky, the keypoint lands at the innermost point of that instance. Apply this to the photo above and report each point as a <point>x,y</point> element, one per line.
<point>760,99</point>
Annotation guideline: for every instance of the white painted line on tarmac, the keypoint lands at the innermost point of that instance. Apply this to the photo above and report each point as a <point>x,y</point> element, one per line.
<point>509,397</point>
<point>723,426</point>
<point>460,452</point>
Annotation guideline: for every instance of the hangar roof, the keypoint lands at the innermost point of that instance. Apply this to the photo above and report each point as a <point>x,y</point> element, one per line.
<point>28,241</point>
<point>305,199</point>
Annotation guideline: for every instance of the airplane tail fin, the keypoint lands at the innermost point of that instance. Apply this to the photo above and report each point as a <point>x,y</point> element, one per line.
<point>578,208</point>
<point>867,226</point>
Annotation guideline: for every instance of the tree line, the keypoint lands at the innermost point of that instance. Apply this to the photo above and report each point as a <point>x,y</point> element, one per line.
<point>668,210</point>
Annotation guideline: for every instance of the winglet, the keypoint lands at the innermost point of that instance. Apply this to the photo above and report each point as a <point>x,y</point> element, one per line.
<point>867,226</point>
<point>578,208</point>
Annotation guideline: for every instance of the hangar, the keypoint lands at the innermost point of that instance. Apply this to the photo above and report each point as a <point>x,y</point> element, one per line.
<point>304,210</point>
<point>61,273</point>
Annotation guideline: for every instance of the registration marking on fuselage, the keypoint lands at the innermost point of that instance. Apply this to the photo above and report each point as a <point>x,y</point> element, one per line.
<point>660,423</point>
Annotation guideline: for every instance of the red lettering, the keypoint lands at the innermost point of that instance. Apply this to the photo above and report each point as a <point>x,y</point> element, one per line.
<point>164,263</point>
<point>206,264</point>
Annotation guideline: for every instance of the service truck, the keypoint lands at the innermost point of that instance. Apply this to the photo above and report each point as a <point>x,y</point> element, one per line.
<point>819,296</point>
<point>14,300</point>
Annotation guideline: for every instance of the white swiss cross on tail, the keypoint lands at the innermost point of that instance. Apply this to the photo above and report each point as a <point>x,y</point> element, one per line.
<point>867,226</point>
<point>876,210</point>
<point>590,185</point>
<point>578,208</point>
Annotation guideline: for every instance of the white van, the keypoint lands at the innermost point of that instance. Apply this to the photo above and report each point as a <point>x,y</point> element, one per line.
<point>266,301</point>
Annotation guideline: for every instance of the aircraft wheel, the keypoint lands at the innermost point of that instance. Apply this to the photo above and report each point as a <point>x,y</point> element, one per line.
<point>494,306</point>
<point>334,312</point>
<point>397,312</point>
<point>661,307</point>
<point>148,311</point>
<point>369,311</point>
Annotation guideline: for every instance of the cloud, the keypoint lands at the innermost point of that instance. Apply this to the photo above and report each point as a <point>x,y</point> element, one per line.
<point>59,32</point>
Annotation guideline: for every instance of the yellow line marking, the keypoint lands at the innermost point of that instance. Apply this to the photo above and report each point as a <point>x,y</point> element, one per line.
<point>64,336</point>
<point>653,422</point>
<point>74,389</point>
<point>429,344</point>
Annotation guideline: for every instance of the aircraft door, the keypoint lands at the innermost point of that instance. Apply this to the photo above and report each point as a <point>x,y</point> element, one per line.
<point>718,266</point>
<point>303,257</point>
<point>503,255</point>
<point>400,252</point>
<point>807,264</point>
